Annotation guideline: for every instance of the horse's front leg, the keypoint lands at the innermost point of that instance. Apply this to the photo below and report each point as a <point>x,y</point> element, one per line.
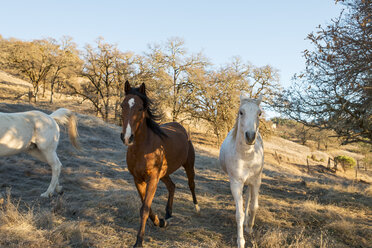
<point>253,206</point>
<point>141,188</point>
<point>146,208</point>
<point>237,191</point>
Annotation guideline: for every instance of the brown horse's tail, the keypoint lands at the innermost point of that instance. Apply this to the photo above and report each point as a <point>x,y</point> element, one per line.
<point>65,116</point>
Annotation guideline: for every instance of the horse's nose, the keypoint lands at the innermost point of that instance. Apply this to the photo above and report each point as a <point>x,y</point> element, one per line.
<point>250,137</point>
<point>131,138</point>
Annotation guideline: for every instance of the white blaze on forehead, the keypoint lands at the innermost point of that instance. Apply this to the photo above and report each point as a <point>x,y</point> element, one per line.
<point>131,102</point>
<point>128,132</point>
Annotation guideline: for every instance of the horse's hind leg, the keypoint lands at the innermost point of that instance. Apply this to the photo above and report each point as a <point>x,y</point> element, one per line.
<point>171,188</point>
<point>190,172</point>
<point>53,160</point>
<point>36,153</point>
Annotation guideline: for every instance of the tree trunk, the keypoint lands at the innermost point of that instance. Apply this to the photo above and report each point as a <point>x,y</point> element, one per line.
<point>117,112</point>
<point>44,87</point>
<point>51,91</point>
<point>36,90</point>
<point>106,112</point>
<point>174,96</point>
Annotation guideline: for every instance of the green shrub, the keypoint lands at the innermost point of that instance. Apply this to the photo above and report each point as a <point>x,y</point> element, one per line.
<point>346,160</point>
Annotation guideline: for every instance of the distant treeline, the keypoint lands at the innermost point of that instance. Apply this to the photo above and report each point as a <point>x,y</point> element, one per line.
<point>185,86</point>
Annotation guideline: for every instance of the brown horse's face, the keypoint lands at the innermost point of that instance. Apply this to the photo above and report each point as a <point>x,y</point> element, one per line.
<point>132,116</point>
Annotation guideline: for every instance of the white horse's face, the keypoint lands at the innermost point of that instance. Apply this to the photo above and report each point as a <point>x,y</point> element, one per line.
<point>249,114</point>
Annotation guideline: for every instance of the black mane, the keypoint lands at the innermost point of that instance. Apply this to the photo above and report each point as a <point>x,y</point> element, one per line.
<point>152,117</point>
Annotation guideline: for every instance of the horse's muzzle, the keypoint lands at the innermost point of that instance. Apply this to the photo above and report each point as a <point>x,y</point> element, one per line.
<point>131,139</point>
<point>250,138</point>
<point>125,141</point>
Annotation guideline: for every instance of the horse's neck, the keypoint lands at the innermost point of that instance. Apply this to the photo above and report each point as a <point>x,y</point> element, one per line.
<point>144,136</point>
<point>141,134</point>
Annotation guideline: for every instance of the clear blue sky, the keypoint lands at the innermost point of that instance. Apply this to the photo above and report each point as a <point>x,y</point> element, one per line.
<point>262,32</point>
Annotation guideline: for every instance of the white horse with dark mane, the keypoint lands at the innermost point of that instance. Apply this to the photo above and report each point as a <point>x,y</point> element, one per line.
<point>37,134</point>
<point>242,158</point>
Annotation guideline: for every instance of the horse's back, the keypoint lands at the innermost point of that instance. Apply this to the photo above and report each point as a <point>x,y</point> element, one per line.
<point>177,144</point>
<point>19,130</point>
<point>174,129</point>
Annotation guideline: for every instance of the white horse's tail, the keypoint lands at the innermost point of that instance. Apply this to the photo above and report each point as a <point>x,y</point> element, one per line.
<point>65,116</point>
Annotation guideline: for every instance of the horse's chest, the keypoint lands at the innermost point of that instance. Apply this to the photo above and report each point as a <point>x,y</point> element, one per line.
<point>243,169</point>
<point>147,165</point>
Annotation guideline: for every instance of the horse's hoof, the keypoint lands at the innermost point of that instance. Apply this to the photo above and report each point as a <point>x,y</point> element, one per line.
<point>241,243</point>
<point>45,195</point>
<point>249,230</point>
<point>137,244</point>
<point>168,215</point>
<point>59,189</point>
<point>163,223</point>
<point>197,208</point>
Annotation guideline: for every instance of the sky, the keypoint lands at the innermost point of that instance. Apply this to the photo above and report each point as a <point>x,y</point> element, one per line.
<point>266,32</point>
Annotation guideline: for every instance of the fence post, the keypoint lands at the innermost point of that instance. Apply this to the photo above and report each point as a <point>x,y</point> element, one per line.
<point>277,157</point>
<point>308,166</point>
<point>329,163</point>
<point>335,164</point>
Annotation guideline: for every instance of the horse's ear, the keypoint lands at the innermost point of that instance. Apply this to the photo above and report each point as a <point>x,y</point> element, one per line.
<point>259,99</point>
<point>243,95</point>
<point>127,87</point>
<point>142,89</point>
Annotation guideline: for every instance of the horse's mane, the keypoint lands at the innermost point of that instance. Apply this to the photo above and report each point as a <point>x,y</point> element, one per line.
<point>152,116</point>
<point>234,130</point>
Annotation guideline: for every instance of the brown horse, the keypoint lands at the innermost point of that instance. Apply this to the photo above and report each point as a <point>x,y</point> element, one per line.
<point>154,152</point>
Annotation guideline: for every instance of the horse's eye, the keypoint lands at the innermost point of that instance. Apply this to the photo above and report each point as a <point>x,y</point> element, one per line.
<point>240,112</point>
<point>259,114</point>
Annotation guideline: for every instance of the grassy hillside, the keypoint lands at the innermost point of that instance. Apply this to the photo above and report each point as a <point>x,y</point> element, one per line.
<point>100,206</point>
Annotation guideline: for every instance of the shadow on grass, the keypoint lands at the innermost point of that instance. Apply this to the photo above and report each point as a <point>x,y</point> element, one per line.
<point>99,192</point>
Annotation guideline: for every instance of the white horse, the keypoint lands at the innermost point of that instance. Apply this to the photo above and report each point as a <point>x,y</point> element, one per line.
<point>242,158</point>
<point>37,134</point>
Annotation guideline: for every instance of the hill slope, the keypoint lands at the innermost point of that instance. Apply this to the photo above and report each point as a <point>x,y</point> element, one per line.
<point>100,206</point>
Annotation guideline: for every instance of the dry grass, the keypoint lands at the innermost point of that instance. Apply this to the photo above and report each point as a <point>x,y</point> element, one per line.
<point>100,206</point>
